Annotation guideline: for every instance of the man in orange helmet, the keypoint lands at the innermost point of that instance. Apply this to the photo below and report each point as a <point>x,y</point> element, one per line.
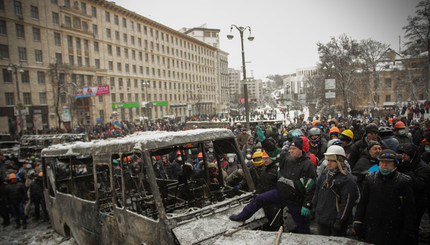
<point>15,199</point>
<point>401,134</point>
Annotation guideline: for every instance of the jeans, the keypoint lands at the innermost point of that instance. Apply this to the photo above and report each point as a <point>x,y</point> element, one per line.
<point>17,210</point>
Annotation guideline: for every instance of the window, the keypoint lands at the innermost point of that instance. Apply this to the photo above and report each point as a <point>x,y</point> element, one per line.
<point>3,29</point>
<point>109,48</point>
<point>42,98</point>
<point>132,40</point>
<point>117,35</point>
<point>107,16</point>
<point>17,7</point>
<point>83,8</point>
<point>58,58</point>
<point>115,19</point>
<point>10,98</point>
<point>113,97</point>
<point>108,35</point>
<point>22,54</point>
<point>69,41</point>
<point>86,44</point>
<point>110,65</point>
<point>87,62</point>
<point>71,60</point>
<point>76,22</point>
<point>41,77</point>
<point>4,52</point>
<point>79,61</point>
<point>26,98</point>
<point>67,3</point>
<point>54,1</point>
<point>127,68</point>
<point>57,39</point>
<point>25,77</point>
<point>7,76</point>
<point>19,31</point>
<point>38,55</point>
<point>95,30</point>
<point>118,66</point>
<point>124,22</point>
<point>387,82</point>
<point>93,11</point>
<point>96,47</point>
<point>125,37</point>
<point>67,21</point>
<point>36,34</point>
<point>112,82</point>
<point>387,98</point>
<point>78,43</point>
<point>97,63</point>
<point>118,51</point>
<point>34,11</point>
<point>55,18</point>
<point>84,26</point>
<point>125,53</point>
<point>138,27</point>
<point>99,81</point>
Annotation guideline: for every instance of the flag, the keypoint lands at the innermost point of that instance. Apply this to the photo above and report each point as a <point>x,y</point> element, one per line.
<point>117,125</point>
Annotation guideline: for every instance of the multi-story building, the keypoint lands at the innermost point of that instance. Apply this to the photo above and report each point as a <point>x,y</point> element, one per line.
<point>211,37</point>
<point>67,49</point>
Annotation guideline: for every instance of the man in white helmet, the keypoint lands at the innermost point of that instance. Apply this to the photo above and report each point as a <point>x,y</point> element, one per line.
<point>335,194</point>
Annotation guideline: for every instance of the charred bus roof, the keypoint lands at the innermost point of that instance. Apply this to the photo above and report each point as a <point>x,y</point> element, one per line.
<point>151,140</point>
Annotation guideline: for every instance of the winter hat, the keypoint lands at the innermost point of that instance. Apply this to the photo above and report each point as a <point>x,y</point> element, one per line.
<point>409,149</point>
<point>305,143</point>
<point>372,128</point>
<point>297,142</point>
<point>372,143</point>
<point>387,155</point>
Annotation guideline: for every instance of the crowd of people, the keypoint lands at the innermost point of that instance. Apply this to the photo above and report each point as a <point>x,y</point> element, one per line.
<point>364,179</point>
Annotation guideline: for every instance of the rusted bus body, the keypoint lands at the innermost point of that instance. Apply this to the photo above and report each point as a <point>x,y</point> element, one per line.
<point>111,192</point>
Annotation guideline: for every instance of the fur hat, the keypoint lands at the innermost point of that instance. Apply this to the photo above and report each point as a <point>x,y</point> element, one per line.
<point>297,142</point>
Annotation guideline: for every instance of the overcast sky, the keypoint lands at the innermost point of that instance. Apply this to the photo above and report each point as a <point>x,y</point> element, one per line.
<point>286,32</point>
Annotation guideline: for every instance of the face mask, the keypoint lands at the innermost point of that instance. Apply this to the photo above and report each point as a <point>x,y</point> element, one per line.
<point>386,171</point>
<point>179,158</point>
<point>211,150</point>
<point>402,131</point>
<point>249,156</point>
<point>231,160</point>
<point>427,149</point>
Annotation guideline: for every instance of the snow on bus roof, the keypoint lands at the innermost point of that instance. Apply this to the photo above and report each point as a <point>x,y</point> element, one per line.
<point>139,140</point>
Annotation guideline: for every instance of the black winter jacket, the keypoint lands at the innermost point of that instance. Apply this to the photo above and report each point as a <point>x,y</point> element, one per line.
<point>359,148</point>
<point>15,193</point>
<point>36,190</point>
<point>335,201</point>
<point>387,209</point>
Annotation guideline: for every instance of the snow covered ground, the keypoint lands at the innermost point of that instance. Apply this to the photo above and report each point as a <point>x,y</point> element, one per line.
<point>37,232</point>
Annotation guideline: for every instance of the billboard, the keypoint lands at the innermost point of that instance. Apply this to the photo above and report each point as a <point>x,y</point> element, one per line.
<point>92,91</point>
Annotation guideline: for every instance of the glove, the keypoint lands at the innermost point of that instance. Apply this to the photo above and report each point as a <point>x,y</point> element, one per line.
<point>337,228</point>
<point>359,229</point>
<point>260,134</point>
<point>305,212</point>
<point>237,187</point>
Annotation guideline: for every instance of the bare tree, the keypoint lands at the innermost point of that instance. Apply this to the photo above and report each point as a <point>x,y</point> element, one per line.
<point>372,53</point>
<point>339,60</point>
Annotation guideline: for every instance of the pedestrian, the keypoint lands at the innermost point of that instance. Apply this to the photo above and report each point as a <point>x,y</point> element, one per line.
<point>335,195</point>
<point>294,189</point>
<point>37,198</point>
<point>15,199</point>
<point>386,211</point>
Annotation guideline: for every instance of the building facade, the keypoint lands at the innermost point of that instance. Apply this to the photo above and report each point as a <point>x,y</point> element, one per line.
<point>53,50</point>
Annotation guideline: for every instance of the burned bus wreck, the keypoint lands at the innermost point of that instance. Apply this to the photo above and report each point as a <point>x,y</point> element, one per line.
<point>147,188</point>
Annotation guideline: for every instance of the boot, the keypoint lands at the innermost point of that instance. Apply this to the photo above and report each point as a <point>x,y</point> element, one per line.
<point>236,217</point>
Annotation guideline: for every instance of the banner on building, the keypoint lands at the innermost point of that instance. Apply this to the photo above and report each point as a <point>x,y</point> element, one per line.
<point>92,91</point>
<point>66,115</point>
<point>125,105</point>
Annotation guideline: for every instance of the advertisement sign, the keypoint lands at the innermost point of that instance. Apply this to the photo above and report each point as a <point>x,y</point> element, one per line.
<point>330,84</point>
<point>92,91</point>
<point>160,103</point>
<point>67,117</point>
<point>125,105</point>
<point>330,95</point>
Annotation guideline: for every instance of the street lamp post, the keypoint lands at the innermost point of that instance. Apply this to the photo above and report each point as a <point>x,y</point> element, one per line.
<point>146,84</point>
<point>245,85</point>
<point>15,67</point>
